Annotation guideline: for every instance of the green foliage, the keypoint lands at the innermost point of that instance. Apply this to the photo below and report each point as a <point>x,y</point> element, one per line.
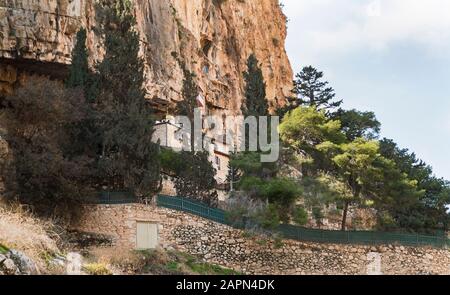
<point>249,163</point>
<point>300,216</point>
<point>316,192</point>
<point>259,180</point>
<point>252,185</point>
<point>190,92</point>
<point>171,161</point>
<point>84,133</point>
<point>195,173</point>
<point>255,103</point>
<point>306,127</point>
<point>241,209</point>
<point>356,124</point>
<point>195,179</point>
<point>278,242</point>
<point>3,249</point>
<point>310,134</point>
<point>39,121</point>
<point>186,106</point>
<point>79,69</point>
<point>343,163</point>
<point>280,192</point>
<point>318,215</point>
<point>129,159</point>
<point>426,210</point>
<point>312,91</point>
<point>80,75</point>
<point>357,158</point>
<point>269,218</point>
<point>172,266</point>
<point>237,216</point>
<point>356,167</point>
<point>97,269</point>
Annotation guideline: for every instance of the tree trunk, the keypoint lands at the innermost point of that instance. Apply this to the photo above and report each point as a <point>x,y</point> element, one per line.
<point>344,216</point>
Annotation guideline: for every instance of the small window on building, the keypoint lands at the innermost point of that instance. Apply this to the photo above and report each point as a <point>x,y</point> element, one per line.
<point>218,162</point>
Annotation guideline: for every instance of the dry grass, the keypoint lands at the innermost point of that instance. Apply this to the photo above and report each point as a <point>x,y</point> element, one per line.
<point>158,262</point>
<point>21,231</point>
<point>97,269</point>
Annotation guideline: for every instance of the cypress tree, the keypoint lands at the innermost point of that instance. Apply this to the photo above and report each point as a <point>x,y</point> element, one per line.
<point>79,69</point>
<point>129,159</point>
<point>255,90</point>
<point>82,132</point>
<point>187,105</point>
<point>195,179</point>
<point>255,103</point>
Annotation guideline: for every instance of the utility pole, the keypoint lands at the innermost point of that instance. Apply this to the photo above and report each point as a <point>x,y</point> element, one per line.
<point>232,172</point>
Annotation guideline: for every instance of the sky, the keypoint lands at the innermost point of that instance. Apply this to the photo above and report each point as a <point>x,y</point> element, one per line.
<point>391,57</point>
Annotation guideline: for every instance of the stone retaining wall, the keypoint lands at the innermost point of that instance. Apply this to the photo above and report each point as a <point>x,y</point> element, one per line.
<point>232,248</point>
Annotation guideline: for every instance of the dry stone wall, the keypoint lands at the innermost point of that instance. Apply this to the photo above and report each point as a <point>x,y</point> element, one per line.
<point>232,248</point>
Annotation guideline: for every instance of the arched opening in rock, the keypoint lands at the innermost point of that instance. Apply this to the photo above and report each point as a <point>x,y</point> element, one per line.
<point>206,46</point>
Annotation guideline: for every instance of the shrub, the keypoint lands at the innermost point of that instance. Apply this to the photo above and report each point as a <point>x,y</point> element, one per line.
<point>196,178</point>
<point>278,242</point>
<point>171,161</point>
<point>41,120</point>
<point>318,215</point>
<point>281,192</point>
<point>3,249</point>
<point>300,216</point>
<point>240,208</point>
<point>269,218</point>
<point>97,269</point>
<point>172,266</point>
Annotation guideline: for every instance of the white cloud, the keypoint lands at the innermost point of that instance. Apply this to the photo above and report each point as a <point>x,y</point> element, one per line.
<point>341,27</point>
<point>374,8</point>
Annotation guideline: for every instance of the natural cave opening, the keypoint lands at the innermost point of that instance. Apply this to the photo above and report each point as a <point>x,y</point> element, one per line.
<point>206,46</point>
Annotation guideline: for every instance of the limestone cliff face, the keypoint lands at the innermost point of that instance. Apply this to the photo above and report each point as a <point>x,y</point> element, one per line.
<point>213,37</point>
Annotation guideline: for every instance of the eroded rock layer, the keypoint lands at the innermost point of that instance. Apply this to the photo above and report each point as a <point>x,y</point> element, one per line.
<point>213,37</point>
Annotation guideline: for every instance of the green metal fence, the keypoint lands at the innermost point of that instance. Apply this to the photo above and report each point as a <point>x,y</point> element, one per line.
<point>114,198</point>
<point>361,237</point>
<point>306,234</point>
<point>193,207</point>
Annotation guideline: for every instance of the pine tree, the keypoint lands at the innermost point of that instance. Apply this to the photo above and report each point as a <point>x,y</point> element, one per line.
<point>312,91</point>
<point>79,69</point>
<point>129,160</point>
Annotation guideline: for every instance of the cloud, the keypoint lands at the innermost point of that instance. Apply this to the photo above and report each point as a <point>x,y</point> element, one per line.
<point>342,27</point>
<point>374,9</point>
